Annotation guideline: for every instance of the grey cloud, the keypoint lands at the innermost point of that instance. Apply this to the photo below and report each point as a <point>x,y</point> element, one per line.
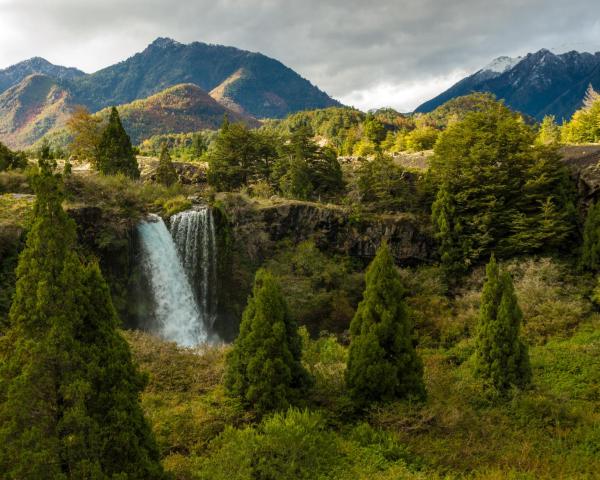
<point>343,46</point>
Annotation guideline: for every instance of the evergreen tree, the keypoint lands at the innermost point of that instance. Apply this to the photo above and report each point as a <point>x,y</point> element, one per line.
<point>264,368</point>
<point>115,153</point>
<point>590,255</point>
<point>166,173</point>
<point>69,406</point>
<point>305,170</point>
<point>382,363</point>
<point>497,191</point>
<point>501,358</point>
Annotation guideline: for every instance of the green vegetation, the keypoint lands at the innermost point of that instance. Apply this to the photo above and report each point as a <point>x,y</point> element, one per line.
<point>264,369</point>
<point>382,362</point>
<point>590,255</point>
<point>501,358</point>
<point>584,127</point>
<point>10,160</point>
<point>186,147</point>
<point>166,173</point>
<point>497,192</point>
<point>68,387</point>
<point>115,154</point>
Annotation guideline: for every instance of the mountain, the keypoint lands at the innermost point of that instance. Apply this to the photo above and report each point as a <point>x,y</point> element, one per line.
<point>250,82</point>
<point>35,106</point>
<point>539,84</point>
<point>15,74</point>
<point>179,109</point>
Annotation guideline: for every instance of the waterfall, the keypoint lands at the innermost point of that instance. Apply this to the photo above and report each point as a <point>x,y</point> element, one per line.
<point>179,316</point>
<point>193,232</point>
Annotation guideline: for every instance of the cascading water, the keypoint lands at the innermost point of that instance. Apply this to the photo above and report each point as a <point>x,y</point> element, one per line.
<point>177,311</point>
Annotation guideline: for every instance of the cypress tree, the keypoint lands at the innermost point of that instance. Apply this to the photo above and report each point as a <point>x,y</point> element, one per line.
<point>501,358</point>
<point>165,173</point>
<point>115,153</point>
<point>590,255</point>
<point>382,363</point>
<point>68,386</point>
<point>264,368</point>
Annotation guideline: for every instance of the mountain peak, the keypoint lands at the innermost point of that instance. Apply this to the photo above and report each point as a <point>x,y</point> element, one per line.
<point>164,42</point>
<point>502,64</point>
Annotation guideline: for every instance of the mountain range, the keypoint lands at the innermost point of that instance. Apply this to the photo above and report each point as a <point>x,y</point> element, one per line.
<point>538,84</point>
<point>36,96</point>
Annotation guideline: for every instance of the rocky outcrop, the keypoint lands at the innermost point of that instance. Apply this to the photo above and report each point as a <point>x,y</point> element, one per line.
<point>258,227</point>
<point>584,163</point>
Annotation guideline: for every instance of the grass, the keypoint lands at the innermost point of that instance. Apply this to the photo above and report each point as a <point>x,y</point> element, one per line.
<point>551,431</point>
<point>15,210</point>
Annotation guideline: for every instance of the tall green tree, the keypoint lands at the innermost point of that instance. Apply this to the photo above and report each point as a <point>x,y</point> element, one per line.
<point>305,170</point>
<point>549,131</point>
<point>114,152</point>
<point>165,172</point>
<point>238,157</point>
<point>496,191</point>
<point>501,358</point>
<point>264,368</point>
<point>382,363</point>
<point>69,391</point>
<point>10,160</point>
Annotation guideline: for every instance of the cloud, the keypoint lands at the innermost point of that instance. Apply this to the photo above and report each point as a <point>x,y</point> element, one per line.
<point>389,52</point>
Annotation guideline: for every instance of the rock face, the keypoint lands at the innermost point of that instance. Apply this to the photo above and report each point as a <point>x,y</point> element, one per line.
<point>584,163</point>
<point>259,227</point>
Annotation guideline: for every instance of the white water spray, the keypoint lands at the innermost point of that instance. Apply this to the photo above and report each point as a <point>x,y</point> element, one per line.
<point>178,314</point>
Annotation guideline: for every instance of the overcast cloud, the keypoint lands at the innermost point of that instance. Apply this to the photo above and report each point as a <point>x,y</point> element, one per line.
<point>364,53</point>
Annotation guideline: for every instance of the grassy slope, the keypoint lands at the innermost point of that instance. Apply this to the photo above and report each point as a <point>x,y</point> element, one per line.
<point>551,431</point>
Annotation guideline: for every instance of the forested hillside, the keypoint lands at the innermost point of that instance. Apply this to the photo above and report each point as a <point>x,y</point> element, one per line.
<point>333,295</point>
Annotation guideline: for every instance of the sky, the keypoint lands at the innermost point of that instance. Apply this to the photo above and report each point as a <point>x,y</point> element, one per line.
<point>368,54</point>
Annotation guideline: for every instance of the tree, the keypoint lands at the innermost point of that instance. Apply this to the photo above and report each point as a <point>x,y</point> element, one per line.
<point>69,391</point>
<point>238,157</point>
<point>86,132</point>
<point>584,126</point>
<point>590,255</point>
<point>501,358</point>
<point>591,97</point>
<point>166,173</point>
<point>305,170</point>
<point>496,191</point>
<point>421,138</point>
<point>373,129</point>
<point>385,186</point>
<point>382,363</point>
<point>115,153</point>
<point>264,368</point>
<point>10,160</point>
<point>549,133</point>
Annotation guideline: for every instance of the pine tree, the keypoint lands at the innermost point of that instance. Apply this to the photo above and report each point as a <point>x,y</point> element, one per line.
<point>166,173</point>
<point>115,153</point>
<point>590,255</point>
<point>501,358</point>
<point>264,368</point>
<point>383,364</point>
<point>69,406</point>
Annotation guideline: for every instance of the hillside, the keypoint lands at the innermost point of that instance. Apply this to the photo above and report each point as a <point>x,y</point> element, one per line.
<point>538,84</point>
<point>179,109</point>
<point>32,108</point>
<point>261,86</point>
<point>16,73</point>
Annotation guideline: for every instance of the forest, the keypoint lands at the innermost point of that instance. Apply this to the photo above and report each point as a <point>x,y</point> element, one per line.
<point>393,296</point>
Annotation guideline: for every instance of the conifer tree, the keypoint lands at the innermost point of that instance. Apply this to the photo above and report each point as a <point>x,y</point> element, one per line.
<point>115,153</point>
<point>590,255</point>
<point>264,368</point>
<point>501,358</point>
<point>383,364</point>
<point>69,406</point>
<point>166,173</point>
